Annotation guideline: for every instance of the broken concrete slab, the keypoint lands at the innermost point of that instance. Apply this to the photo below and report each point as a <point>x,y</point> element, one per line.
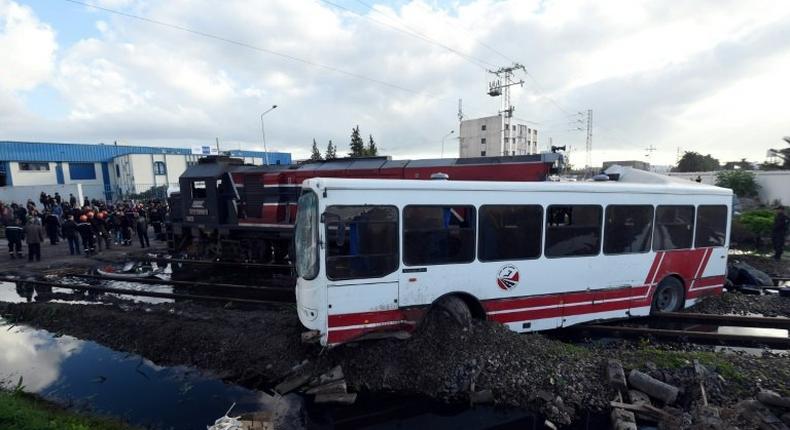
<point>330,388</point>
<point>653,387</point>
<point>637,397</point>
<point>291,384</point>
<point>623,420</point>
<point>615,375</point>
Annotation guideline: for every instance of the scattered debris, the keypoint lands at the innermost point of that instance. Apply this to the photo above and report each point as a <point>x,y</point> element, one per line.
<point>653,387</point>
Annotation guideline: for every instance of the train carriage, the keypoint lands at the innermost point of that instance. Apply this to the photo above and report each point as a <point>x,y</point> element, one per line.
<point>374,256</point>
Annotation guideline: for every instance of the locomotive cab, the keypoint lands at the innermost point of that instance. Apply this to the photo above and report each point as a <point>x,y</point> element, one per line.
<point>208,195</point>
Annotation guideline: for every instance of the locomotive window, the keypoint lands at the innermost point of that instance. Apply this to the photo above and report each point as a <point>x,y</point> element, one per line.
<point>628,229</point>
<point>361,241</point>
<point>438,235</point>
<point>711,226</point>
<point>573,230</point>
<point>674,227</point>
<point>510,232</point>
<point>198,189</point>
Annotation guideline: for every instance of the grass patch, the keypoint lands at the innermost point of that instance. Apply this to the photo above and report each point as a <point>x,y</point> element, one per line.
<point>677,359</point>
<point>21,411</point>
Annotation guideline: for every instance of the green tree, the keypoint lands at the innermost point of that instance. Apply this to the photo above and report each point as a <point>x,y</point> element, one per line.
<point>696,162</point>
<point>331,151</point>
<point>316,153</point>
<point>357,144</point>
<point>741,182</point>
<point>371,150</point>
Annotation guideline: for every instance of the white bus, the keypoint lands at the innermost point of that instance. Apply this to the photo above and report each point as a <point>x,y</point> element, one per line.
<point>373,256</point>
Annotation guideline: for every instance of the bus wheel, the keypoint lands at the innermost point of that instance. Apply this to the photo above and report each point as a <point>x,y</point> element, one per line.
<point>455,308</point>
<point>668,296</point>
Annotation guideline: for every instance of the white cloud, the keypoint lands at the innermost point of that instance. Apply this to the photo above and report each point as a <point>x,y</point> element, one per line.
<point>653,75</point>
<point>27,48</point>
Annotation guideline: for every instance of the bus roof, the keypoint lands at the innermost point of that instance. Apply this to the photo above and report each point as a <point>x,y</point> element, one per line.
<point>626,180</point>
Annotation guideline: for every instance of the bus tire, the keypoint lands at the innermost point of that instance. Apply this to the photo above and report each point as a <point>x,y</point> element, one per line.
<point>668,296</point>
<point>455,307</point>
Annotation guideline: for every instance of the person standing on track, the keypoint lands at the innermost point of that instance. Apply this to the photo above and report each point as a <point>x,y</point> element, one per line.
<point>779,232</point>
<point>14,234</point>
<point>142,230</point>
<point>34,235</point>
<point>86,234</point>
<point>69,231</point>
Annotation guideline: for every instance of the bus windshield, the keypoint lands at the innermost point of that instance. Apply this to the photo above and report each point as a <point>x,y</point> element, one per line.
<point>306,236</point>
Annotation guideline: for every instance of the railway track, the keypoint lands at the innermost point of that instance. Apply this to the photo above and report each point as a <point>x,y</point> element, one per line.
<point>702,328</point>
<point>271,299</point>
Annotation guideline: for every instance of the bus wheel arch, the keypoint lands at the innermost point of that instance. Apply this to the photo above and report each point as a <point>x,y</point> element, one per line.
<point>670,295</point>
<point>461,307</point>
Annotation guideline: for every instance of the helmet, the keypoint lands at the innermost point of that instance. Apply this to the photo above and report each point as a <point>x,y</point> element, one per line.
<point>89,214</point>
<point>100,215</point>
<point>83,218</point>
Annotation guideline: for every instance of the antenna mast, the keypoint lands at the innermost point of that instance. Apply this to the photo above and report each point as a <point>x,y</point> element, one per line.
<point>460,110</point>
<point>500,87</point>
<point>588,146</point>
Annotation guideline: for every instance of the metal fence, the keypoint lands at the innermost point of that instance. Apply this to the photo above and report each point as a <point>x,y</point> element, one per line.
<point>142,191</point>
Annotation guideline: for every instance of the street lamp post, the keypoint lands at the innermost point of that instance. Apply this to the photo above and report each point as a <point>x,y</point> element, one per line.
<point>263,135</point>
<point>445,137</point>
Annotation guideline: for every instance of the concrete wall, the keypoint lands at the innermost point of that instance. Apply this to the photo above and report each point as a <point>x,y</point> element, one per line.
<point>21,193</point>
<point>774,185</point>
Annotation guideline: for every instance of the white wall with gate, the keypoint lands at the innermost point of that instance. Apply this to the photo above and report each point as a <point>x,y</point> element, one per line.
<point>774,184</point>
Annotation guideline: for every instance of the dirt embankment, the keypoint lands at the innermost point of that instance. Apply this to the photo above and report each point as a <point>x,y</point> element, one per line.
<point>259,348</point>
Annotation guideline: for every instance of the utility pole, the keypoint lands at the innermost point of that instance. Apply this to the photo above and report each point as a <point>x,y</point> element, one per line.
<point>500,87</point>
<point>588,146</point>
<point>649,150</point>
<point>217,139</point>
<point>460,110</point>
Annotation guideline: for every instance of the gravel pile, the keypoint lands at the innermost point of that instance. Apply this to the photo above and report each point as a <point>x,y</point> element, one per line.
<point>769,305</point>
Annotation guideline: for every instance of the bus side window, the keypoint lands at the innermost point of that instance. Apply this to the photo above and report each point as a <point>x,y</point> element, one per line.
<point>573,230</point>
<point>628,229</point>
<point>711,226</point>
<point>511,232</point>
<point>674,227</point>
<point>438,235</point>
<point>361,241</point>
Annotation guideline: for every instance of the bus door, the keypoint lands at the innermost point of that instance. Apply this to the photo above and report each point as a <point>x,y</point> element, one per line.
<point>438,247</point>
<point>361,262</point>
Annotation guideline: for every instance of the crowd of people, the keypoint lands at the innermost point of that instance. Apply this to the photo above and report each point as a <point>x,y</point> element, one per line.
<point>87,227</point>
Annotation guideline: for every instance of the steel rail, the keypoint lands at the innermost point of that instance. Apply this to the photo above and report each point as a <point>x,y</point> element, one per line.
<point>286,288</point>
<point>724,320</point>
<point>701,336</point>
<point>216,263</point>
<point>156,294</point>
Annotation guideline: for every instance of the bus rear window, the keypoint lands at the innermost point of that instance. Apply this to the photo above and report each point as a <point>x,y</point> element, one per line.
<point>674,227</point>
<point>573,230</point>
<point>361,241</point>
<point>438,235</point>
<point>510,232</point>
<point>711,226</point>
<point>628,229</point>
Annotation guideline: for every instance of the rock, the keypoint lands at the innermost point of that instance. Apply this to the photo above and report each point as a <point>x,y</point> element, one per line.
<point>771,398</point>
<point>785,418</point>
<point>707,418</point>
<point>637,397</point>
<point>615,375</point>
<point>549,425</point>
<point>653,387</point>
<point>623,420</point>
<point>333,387</point>
<point>481,397</point>
<point>334,374</point>
<point>341,398</point>
<point>759,415</point>
<point>291,384</point>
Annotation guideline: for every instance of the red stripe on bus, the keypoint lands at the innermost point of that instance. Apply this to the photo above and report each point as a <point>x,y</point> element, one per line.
<point>653,268</point>
<point>342,320</point>
<point>709,281</point>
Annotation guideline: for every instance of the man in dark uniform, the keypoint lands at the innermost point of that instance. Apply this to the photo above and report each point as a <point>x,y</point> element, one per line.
<point>34,235</point>
<point>14,235</point>
<point>69,231</point>
<point>86,234</point>
<point>779,232</point>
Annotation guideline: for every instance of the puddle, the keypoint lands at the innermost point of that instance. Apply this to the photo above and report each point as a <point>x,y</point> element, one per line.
<point>87,376</point>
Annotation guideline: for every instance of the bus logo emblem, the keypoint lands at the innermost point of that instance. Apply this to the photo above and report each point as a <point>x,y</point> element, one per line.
<point>507,279</point>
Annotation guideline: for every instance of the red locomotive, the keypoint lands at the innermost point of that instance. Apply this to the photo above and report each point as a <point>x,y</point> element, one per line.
<point>228,211</point>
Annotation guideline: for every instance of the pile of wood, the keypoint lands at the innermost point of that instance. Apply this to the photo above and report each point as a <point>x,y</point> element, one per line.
<point>329,387</point>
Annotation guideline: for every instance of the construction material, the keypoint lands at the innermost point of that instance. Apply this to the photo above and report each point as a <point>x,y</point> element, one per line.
<point>653,387</point>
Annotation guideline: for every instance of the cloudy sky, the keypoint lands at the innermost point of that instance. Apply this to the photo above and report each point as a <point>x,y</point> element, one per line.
<point>710,76</point>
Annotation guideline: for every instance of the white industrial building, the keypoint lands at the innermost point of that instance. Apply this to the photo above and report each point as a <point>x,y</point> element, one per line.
<point>98,171</point>
<point>486,137</point>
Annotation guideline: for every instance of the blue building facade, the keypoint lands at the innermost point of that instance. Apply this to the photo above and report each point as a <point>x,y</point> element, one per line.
<point>113,169</point>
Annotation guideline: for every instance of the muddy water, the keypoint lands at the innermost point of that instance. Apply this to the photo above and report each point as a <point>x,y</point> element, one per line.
<point>86,375</point>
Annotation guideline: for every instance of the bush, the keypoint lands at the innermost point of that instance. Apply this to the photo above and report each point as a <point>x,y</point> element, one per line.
<point>742,183</point>
<point>753,226</point>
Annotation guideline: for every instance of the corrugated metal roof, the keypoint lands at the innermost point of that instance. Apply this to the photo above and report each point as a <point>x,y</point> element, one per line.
<point>81,152</point>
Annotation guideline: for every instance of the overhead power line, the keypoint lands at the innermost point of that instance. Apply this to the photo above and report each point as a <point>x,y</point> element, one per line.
<point>416,34</point>
<point>248,46</point>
